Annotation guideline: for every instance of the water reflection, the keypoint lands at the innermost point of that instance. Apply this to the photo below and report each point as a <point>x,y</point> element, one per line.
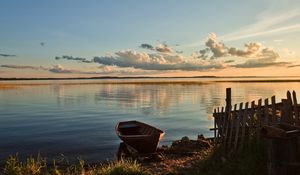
<point>159,99</point>
<point>78,120</point>
<point>156,99</point>
<point>65,98</point>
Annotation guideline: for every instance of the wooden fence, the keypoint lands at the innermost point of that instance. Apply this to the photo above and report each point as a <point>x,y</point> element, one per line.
<point>235,124</point>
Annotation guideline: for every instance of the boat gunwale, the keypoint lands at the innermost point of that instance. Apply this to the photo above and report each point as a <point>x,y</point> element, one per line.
<point>161,133</point>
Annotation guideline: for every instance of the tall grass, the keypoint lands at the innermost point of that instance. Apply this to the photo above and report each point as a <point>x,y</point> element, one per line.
<point>252,159</point>
<point>39,166</point>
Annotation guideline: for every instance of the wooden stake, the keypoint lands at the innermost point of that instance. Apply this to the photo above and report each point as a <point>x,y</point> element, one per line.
<point>252,119</point>
<point>215,126</point>
<point>266,112</point>
<point>245,115</point>
<point>289,108</point>
<point>232,125</point>
<point>237,126</point>
<point>258,124</point>
<point>273,101</point>
<point>296,109</point>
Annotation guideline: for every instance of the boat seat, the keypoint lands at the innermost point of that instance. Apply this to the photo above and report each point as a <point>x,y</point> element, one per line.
<point>129,125</point>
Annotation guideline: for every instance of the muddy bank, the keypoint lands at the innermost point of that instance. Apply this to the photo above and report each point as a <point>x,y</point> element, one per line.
<point>181,154</point>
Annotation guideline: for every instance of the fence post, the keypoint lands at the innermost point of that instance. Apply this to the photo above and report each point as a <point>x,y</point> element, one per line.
<point>245,116</point>
<point>228,99</point>
<point>266,116</point>
<point>215,126</point>
<point>273,101</point>
<point>237,126</point>
<point>289,108</point>
<point>228,123</point>
<point>296,109</point>
<point>258,115</point>
<point>233,118</point>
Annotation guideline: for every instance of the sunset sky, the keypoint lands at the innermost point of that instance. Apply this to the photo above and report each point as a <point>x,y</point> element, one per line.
<point>72,38</point>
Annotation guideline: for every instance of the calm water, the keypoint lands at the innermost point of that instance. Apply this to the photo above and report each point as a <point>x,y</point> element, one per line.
<point>79,120</point>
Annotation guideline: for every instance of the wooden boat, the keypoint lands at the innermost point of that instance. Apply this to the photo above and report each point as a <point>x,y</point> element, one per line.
<point>141,136</point>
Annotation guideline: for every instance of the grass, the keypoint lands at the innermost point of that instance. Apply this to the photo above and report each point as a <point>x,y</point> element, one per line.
<point>252,159</point>
<point>39,166</point>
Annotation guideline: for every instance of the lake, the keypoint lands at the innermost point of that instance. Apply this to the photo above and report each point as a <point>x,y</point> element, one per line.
<point>76,118</point>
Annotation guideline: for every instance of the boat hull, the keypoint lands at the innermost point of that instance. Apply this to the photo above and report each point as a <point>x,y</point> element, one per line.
<point>134,136</point>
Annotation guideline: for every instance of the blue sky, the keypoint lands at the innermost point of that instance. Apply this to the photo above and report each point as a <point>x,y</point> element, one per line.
<point>114,31</point>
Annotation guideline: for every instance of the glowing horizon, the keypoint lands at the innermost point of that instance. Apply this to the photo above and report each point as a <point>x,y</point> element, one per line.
<point>139,38</point>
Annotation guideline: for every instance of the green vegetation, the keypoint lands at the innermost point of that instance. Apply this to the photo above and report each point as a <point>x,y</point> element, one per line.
<point>38,166</point>
<point>252,159</point>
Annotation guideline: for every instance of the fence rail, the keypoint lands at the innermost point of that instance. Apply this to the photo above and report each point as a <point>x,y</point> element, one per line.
<point>235,124</point>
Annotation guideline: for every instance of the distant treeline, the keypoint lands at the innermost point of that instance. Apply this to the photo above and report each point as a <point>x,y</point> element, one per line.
<point>146,77</point>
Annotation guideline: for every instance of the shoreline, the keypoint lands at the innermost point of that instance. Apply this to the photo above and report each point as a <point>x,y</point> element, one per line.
<point>10,84</point>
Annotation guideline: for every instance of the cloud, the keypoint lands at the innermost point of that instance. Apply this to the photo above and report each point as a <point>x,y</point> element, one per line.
<point>11,66</point>
<point>258,63</point>
<point>263,58</point>
<point>73,58</point>
<point>252,49</point>
<point>254,54</point>
<point>277,19</point>
<point>54,69</point>
<point>259,55</point>
<point>163,48</point>
<point>147,46</point>
<point>60,69</point>
<point>102,70</point>
<point>128,70</point>
<point>7,55</point>
<point>288,51</point>
<point>295,65</point>
<point>145,61</point>
<point>229,61</point>
<point>217,48</point>
<point>267,24</point>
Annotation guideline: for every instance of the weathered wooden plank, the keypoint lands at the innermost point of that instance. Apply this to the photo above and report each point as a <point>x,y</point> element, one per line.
<point>266,112</point>
<point>215,126</point>
<point>227,113</point>
<point>273,104</point>
<point>221,122</point>
<point>296,112</point>
<point>224,116</point>
<point>218,123</point>
<point>237,126</point>
<point>289,114</point>
<point>252,119</point>
<point>233,119</point>
<point>228,99</point>
<point>245,115</point>
<point>258,115</point>
<point>283,118</point>
<point>228,118</point>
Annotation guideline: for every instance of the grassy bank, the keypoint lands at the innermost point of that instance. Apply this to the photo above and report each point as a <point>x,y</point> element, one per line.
<point>39,166</point>
<point>250,160</point>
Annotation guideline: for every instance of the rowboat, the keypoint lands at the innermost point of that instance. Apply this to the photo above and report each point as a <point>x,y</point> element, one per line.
<point>142,137</point>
